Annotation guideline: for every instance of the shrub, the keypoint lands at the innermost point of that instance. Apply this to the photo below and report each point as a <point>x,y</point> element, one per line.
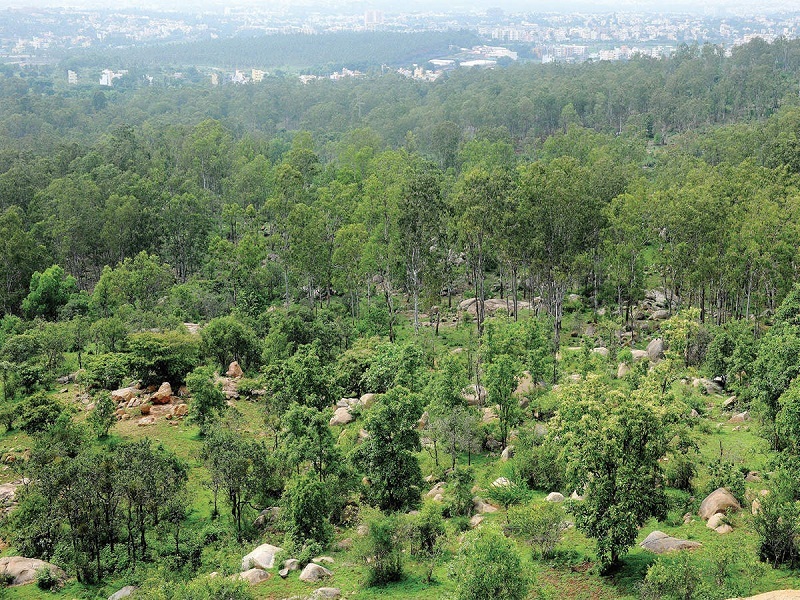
<point>384,545</point>
<point>159,357</point>
<point>542,525</point>
<point>107,371</point>
<point>489,566</point>
<point>46,579</point>
<point>38,412</point>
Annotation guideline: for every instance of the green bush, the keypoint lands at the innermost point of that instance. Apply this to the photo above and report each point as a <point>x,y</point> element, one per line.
<point>46,579</point>
<point>38,412</point>
<point>159,357</point>
<point>107,371</point>
<point>384,548</point>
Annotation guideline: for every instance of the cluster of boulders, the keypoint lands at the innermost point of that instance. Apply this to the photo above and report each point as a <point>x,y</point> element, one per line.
<point>257,564</point>
<point>492,305</point>
<point>715,509</point>
<point>151,403</point>
<point>342,414</point>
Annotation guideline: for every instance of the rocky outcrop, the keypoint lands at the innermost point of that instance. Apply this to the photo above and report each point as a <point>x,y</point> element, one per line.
<point>718,501</point>
<point>125,592</point>
<point>659,542</point>
<point>19,570</point>
<point>254,576</point>
<point>314,572</point>
<point>341,416</point>
<point>262,557</point>
<point>234,370</point>
<point>163,395</point>
<point>554,497</point>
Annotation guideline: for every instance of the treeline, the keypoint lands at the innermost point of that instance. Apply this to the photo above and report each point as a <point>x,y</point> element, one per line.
<point>292,51</point>
<point>651,99</point>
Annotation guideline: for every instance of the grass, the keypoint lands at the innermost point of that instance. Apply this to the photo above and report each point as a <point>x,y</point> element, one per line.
<point>570,574</point>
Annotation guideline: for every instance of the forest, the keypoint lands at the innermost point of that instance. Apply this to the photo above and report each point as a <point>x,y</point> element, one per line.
<point>531,332</point>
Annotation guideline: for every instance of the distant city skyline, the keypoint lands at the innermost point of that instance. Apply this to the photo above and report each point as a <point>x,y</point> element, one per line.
<point>709,7</point>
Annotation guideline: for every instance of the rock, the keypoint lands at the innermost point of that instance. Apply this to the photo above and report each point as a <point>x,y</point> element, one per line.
<point>718,501</point>
<point>362,530</point>
<point>367,400</point>
<point>659,542</point>
<point>489,415</point>
<point>146,421</point>
<point>345,544</point>
<point>291,564</point>
<point>481,507</point>
<point>729,403</point>
<point>8,491</point>
<point>476,520</point>
<point>655,350</point>
<point>474,395</point>
<point>254,576</point>
<point>18,570</point>
<point>755,507</point>
<point>639,355</point>
<point>622,370</point>
<point>740,418</point>
<point>576,496</point>
<point>423,420</point>
<point>694,414</point>
<point>314,572</point>
<point>262,557</point>
<point>341,416</point>
<point>501,482</point>
<point>363,434</point>
<point>124,394</point>
<point>554,497</point>
<point>284,573</point>
<point>779,595</point>
<point>437,489</point>
<point>144,409</point>
<point>525,385</point>
<point>659,315</point>
<point>123,593</point>
<point>602,351</point>
<point>326,592</point>
<point>163,395</point>
<point>180,410</point>
<point>715,521</point>
<point>323,559</point>
<point>710,386</point>
<point>752,477</point>
<point>540,430</point>
<point>687,518</point>
<point>344,403</point>
<point>234,370</point>
<point>507,453</point>
<point>266,517</point>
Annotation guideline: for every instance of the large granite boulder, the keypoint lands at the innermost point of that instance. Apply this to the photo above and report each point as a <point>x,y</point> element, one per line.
<point>262,557</point>
<point>718,501</point>
<point>19,570</point>
<point>659,542</point>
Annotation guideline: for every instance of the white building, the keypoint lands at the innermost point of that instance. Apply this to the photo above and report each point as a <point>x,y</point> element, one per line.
<point>72,78</point>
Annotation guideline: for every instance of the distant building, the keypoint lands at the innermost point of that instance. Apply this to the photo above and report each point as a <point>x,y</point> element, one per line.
<point>373,18</point>
<point>257,76</point>
<point>108,76</point>
<point>214,79</point>
<point>72,78</point>
<point>239,78</point>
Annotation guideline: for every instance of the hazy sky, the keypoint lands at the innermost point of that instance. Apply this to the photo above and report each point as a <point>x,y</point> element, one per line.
<point>713,7</point>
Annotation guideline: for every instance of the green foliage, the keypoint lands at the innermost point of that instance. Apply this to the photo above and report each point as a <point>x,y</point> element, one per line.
<point>462,480</point>
<point>386,457</point>
<point>49,291</point>
<point>307,511</point>
<point>489,566</point>
<point>384,547</point>
<point>723,473</point>
<point>502,376</point>
<point>611,445</point>
<point>226,339</point>
<point>536,462</point>
<point>46,579</point>
<point>38,412</point>
<point>159,357</point>
<point>102,417</point>
<point>208,400</point>
<point>777,526</point>
<point>107,371</point>
<point>541,525</point>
